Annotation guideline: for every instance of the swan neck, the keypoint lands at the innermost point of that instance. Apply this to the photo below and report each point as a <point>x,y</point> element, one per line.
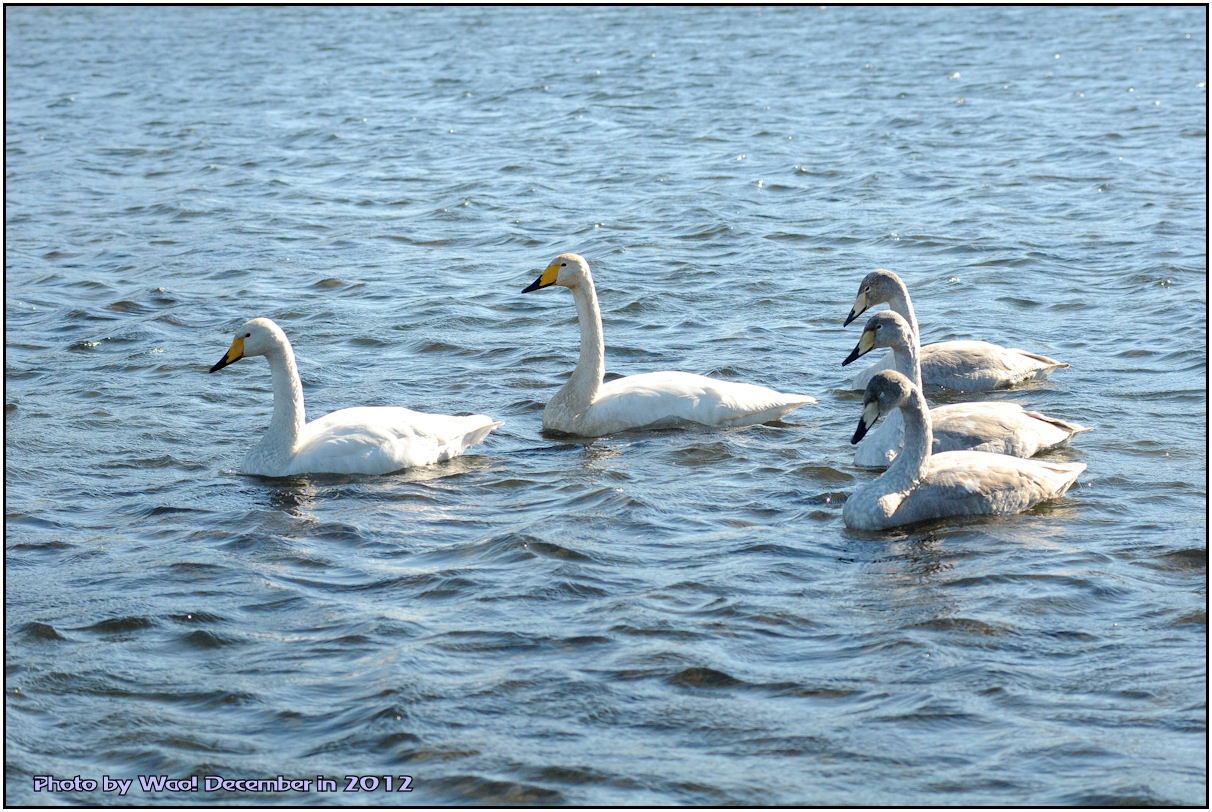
<point>910,463</point>
<point>906,359</point>
<point>289,415</point>
<point>901,304</point>
<point>582,386</point>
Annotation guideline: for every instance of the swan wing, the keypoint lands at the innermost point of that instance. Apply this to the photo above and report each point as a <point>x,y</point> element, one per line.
<point>966,483</point>
<point>978,366</point>
<point>656,399</point>
<point>959,483</point>
<point>998,427</point>
<point>381,439</point>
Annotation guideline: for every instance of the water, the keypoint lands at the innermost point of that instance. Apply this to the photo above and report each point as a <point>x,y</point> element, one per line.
<point>656,618</point>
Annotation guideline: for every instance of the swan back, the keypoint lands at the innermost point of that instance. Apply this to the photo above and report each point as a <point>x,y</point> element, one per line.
<point>667,399</point>
<point>382,439</point>
<point>979,366</point>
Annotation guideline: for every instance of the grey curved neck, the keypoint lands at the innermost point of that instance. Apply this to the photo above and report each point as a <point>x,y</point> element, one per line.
<point>900,303</point>
<point>910,463</point>
<point>907,360</point>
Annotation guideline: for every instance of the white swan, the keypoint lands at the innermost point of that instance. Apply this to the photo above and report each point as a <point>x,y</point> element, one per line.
<point>963,366</point>
<point>998,427</point>
<point>586,406</point>
<point>361,440</point>
<point>919,485</point>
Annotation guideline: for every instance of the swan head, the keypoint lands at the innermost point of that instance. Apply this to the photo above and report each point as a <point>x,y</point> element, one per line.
<point>887,390</point>
<point>566,270</point>
<point>255,337</point>
<point>884,329</point>
<point>877,287</point>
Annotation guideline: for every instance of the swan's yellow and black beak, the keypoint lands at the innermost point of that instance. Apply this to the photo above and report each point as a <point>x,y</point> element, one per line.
<point>866,344</point>
<point>860,304</point>
<point>871,413</point>
<point>546,279</point>
<point>234,353</point>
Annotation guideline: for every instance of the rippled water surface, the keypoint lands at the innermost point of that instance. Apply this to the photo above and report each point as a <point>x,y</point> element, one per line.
<point>666,617</point>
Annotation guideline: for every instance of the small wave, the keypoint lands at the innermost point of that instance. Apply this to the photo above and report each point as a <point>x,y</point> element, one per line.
<point>477,789</point>
<point>704,677</point>
<point>204,639</point>
<point>119,625</point>
<point>1192,558</point>
<point>40,632</point>
<point>964,624</point>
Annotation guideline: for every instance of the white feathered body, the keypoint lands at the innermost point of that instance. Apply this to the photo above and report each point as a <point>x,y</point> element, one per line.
<point>368,440</point>
<point>667,399</point>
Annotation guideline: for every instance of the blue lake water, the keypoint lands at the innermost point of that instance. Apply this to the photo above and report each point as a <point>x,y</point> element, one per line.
<point>670,617</point>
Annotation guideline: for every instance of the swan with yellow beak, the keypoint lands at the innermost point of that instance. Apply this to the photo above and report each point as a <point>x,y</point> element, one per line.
<point>359,440</point>
<point>586,406</point>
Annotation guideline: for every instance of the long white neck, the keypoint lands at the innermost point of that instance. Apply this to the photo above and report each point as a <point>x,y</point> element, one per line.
<point>582,386</point>
<point>289,415</point>
<point>909,464</point>
<point>906,359</point>
<point>900,303</point>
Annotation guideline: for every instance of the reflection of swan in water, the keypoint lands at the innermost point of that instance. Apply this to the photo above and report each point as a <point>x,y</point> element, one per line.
<point>361,440</point>
<point>962,366</point>
<point>587,406</point>
<point>999,427</point>
<point>919,486</point>
<point>294,495</point>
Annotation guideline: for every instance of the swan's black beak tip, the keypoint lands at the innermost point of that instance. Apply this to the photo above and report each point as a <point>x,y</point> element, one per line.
<point>860,432</point>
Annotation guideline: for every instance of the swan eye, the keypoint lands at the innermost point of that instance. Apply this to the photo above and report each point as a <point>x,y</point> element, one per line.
<point>248,335</point>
